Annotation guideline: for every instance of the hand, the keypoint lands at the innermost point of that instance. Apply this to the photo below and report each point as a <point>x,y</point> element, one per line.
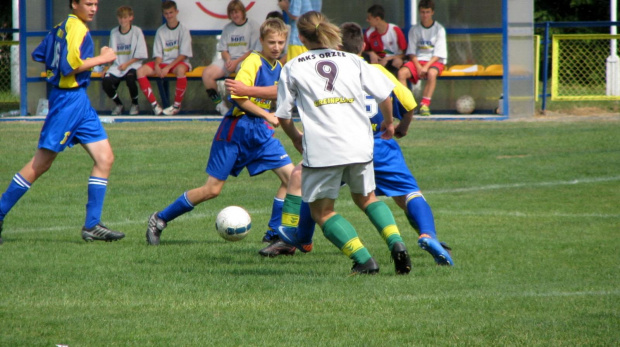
<point>423,73</point>
<point>273,120</point>
<point>388,131</point>
<point>107,54</point>
<point>122,67</point>
<point>235,87</point>
<point>400,131</point>
<point>231,65</point>
<point>165,71</point>
<point>157,71</point>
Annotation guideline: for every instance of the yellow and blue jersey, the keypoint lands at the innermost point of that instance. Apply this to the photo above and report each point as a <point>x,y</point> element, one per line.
<point>257,71</point>
<point>402,102</point>
<point>392,176</point>
<point>64,49</point>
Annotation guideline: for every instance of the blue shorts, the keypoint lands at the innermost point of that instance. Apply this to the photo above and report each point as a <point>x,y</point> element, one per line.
<point>245,141</point>
<point>71,119</point>
<point>392,176</point>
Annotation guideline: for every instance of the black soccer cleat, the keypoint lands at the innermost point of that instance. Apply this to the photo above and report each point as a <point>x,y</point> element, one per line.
<point>271,236</point>
<point>153,231</point>
<point>1,222</point>
<point>370,267</point>
<point>277,248</point>
<point>100,233</point>
<point>402,262</point>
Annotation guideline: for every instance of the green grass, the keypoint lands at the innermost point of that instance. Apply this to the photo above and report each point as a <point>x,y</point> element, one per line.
<point>530,208</point>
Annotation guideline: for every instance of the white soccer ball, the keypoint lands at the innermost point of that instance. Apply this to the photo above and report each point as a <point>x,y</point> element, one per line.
<point>233,223</point>
<point>465,104</point>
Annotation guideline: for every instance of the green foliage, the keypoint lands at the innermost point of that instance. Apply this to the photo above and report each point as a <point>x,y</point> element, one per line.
<point>530,209</point>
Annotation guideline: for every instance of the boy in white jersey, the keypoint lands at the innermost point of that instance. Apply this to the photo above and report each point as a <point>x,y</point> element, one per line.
<point>127,40</point>
<point>428,54</point>
<point>328,87</point>
<point>239,38</point>
<point>385,42</point>
<point>172,49</point>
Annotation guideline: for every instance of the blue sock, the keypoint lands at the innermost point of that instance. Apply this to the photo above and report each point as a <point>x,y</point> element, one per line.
<point>180,206</point>
<point>276,213</point>
<point>97,188</point>
<point>419,212</point>
<point>305,229</point>
<point>16,189</point>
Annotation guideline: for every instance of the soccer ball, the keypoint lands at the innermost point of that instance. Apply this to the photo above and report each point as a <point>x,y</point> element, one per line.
<point>465,104</point>
<point>233,223</point>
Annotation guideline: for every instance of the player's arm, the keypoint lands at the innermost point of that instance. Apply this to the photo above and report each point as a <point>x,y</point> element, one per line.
<point>288,125</point>
<point>387,126</point>
<point>231,64</point>
<point>236,87</point>
<point>178,59</point>
<point>122,67</point>
<point>251,107</point>
<point>403,126</point>
<point>107,55</point>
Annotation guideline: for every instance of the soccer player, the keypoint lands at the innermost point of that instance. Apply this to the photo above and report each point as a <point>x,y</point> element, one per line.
<point>128,42</point>
<point>172,49</point>
<point>329,88</point>
<point>428,54</point>
<point>68,54</point>
<point>294,9</point>
<point>239,38</point>
<point>244,137</point>
<point>385,42</point>
<point>392,176</point>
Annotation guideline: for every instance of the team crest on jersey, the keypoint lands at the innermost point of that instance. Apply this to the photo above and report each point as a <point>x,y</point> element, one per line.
<point>60,33</point>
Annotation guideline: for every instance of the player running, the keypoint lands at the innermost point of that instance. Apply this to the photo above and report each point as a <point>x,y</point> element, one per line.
<point>329,87</point>
<point>392,176</point>
<point>244,138</point>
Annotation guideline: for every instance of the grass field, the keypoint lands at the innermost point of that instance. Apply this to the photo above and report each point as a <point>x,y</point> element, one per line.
<point>531,210</point>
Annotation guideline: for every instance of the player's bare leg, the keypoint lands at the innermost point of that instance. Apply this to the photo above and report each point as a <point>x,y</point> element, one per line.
<point>210,75</point>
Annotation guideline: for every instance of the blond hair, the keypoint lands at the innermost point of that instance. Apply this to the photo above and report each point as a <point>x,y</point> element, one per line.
<point>124,11</point>
<point>273,25</point>
<point>316,28</point>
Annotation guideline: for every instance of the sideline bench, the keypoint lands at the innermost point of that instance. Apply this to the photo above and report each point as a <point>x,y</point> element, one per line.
<point>474,71</point>
<point>162,83</point>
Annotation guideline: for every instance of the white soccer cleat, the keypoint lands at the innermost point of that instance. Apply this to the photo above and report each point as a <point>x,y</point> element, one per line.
<point>118,109</point>
<point>157,110</point>
<point>134,110</point>
<point>171,111</point>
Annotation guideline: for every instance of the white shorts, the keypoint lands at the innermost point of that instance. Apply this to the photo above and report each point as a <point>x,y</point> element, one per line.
<point>321,183</point>
<point>222,65</point>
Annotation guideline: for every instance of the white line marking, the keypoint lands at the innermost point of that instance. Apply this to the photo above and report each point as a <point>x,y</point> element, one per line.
<point>525,214</point>
<point>521,185</point>
<point>210,213</point>
<point>509,295</point>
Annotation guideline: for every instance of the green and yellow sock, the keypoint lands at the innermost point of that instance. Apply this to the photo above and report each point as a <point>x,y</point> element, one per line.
<point>343,235</point>
<point>383,220</point>
<point>290,210</point>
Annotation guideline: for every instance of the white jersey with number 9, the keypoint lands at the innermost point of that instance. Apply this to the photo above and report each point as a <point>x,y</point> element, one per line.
<point>329,88</point>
